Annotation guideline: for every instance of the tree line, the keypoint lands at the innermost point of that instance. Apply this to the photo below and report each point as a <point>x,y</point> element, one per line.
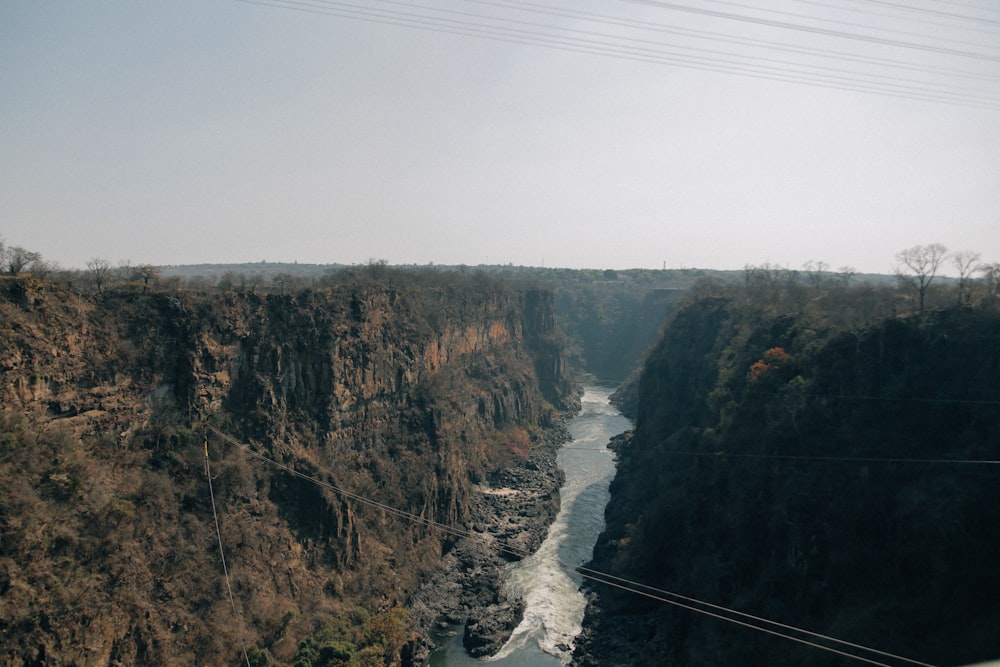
<point>915,271</point>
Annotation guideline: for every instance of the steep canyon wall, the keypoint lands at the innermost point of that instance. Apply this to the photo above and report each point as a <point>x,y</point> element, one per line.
<point>406,393</point>
<point>836,479</point>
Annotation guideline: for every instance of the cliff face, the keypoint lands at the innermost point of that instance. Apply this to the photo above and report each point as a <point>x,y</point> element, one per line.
<point>403,393</point>
<point>611,323</point>
<point>783,467</point>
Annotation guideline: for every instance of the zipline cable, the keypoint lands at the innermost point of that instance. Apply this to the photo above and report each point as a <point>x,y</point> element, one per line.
<point>595,575</point>
<point>738,622</point>
<point>628,585</point>
<point>222,554</point>
<point>721,454</point>
<point>409,516</point>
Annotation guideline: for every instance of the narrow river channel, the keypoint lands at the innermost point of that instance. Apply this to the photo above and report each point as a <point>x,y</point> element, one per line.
<point>547,580</point>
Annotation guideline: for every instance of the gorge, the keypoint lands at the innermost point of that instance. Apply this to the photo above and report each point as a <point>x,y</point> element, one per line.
<point>387,450</point>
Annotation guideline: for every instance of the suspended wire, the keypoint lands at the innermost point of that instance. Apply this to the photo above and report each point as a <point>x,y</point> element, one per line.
<point>409,516</point>
<point>849,24</point>
<point>638,588</point>
<point>933,12</point>
<point>929,22</point>
<point>222,554</point>
<point>780,65</point>
<point>732,39</point>
<point>816,29</point>
<point>723,617</point>
<point>728,63</point>
<point>967,5</point>
<point>720,454</point>
<point>611,577</point>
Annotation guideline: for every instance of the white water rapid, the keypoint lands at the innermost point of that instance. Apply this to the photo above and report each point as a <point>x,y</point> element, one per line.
<point>547,580</point>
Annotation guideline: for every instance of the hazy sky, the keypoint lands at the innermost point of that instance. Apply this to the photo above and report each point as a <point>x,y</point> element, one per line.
<point>602,134</point>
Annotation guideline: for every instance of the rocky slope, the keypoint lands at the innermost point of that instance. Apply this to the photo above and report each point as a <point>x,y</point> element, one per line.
<point>414,393</point>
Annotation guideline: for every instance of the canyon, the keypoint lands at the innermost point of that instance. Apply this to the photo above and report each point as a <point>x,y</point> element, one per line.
<point>370,454</point>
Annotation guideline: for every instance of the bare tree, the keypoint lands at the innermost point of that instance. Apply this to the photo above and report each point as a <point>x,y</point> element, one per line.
<point>42,269</point>
<point>846,274</point>
<point>17,259</point>
<point>966,262</point>
<point>991,278</point>
<point>99,269</point>
<point>378,268</point>
<point>764,275</point>
<point>922,263</point>
<point>283,280</point>
<point>816,273</point>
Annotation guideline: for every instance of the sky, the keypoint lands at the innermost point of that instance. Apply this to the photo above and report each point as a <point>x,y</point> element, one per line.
<point>581,134</point>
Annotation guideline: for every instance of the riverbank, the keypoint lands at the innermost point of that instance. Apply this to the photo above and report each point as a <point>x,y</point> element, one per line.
<point>510,517</point>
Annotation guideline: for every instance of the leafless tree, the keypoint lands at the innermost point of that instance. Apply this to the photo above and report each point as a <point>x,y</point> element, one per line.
<point>42,269</point>
<point>816,273</point>
<point>284,281</point>
<point>966,262</point>
<point>918,266</point>
<point>991,279</point>
<point>99,269</point>
<point>17,259</point>
<point>846,274</point>
<point>764,275</point>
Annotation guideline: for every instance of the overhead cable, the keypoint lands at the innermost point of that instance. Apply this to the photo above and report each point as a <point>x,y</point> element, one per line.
<point>625,48</point>
<point>713,36</point>
<point>975,55</point>
<point>222,554</point>
<point>675,599</point>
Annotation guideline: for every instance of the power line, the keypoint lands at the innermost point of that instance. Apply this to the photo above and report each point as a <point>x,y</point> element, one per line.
<point>712,36</point>
<point>409,516</point>
<point>741,614</point>
<point>933,12</point>
<point>929,22</point>
<point>222,554</point>
<point>818,30</point>
<point>706,608</point>
<point>645,51</point>
<point>720,454</point>
<point>608,582</point>
<point>967,5</point>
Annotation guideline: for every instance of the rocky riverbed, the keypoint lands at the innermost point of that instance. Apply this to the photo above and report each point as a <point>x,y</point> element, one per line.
<point>511,514</point>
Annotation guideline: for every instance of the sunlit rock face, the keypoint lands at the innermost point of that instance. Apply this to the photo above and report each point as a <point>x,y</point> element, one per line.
<point>408,393</point>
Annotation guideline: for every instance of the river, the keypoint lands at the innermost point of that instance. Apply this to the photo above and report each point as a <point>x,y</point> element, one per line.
<point>547,580</point>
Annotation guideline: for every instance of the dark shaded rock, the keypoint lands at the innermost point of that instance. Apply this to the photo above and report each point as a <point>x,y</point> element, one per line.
<point>486,633</point>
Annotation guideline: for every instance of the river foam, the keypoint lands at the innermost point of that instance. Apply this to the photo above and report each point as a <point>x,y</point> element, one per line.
<point>547,580</point>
